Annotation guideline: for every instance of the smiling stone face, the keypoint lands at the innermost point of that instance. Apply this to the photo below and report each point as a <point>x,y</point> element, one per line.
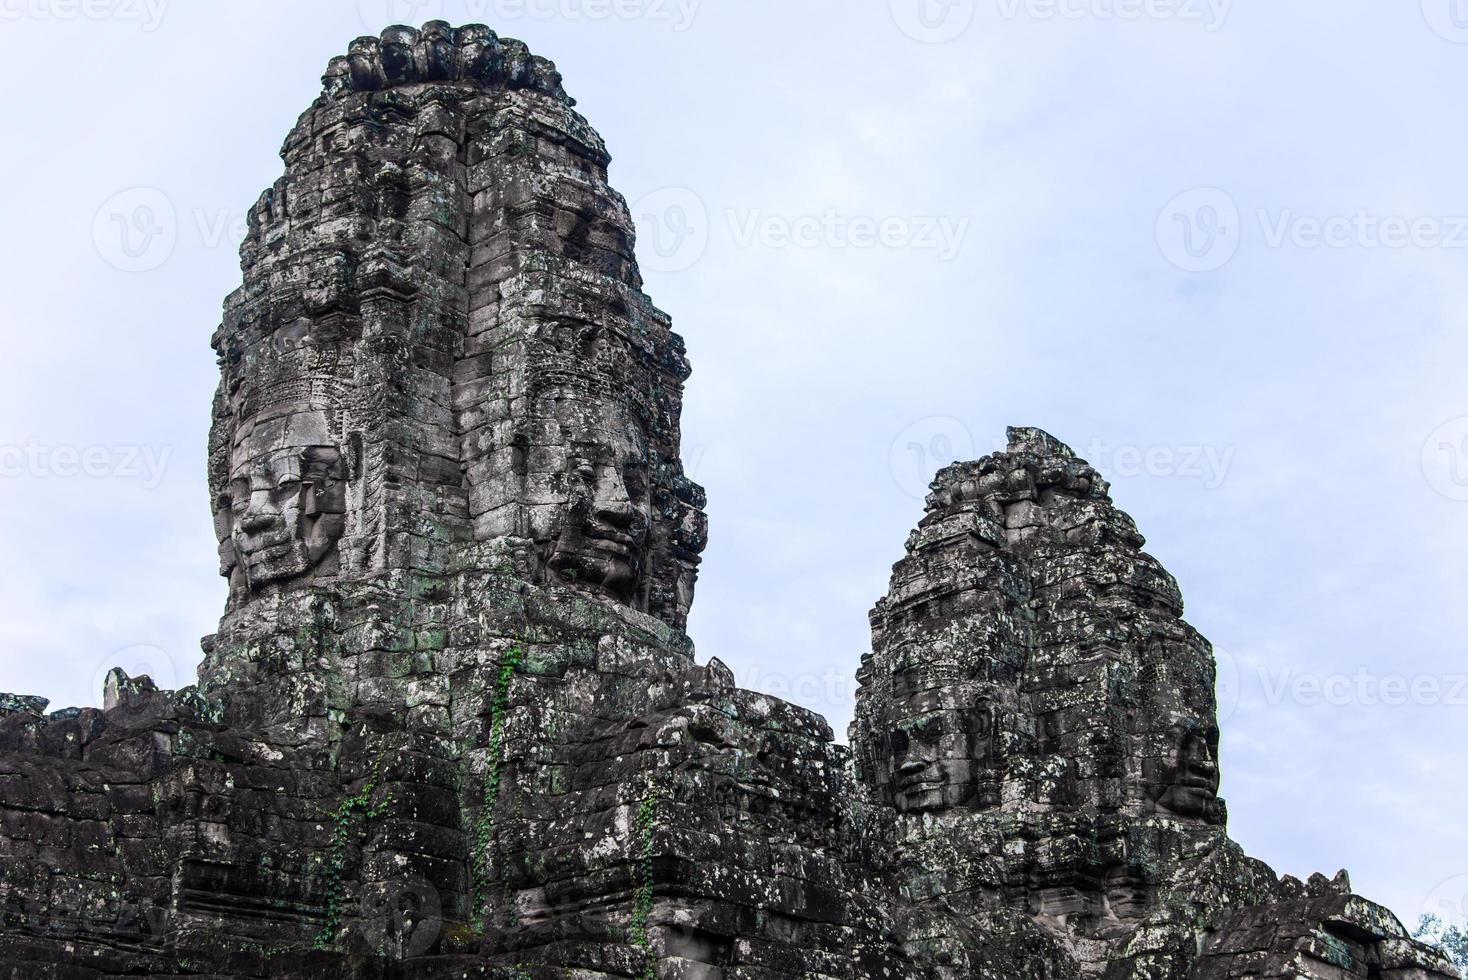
<point>284,508</point>
<point>603,535</point>
<point>941,752</point>
<point>1182,777</point>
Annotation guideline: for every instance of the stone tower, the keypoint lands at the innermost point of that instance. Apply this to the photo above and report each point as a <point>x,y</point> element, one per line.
<point>1033,687</point>
<point>451,725</point>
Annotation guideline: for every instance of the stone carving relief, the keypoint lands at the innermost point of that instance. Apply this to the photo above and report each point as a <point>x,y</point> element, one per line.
<point>284,509</point>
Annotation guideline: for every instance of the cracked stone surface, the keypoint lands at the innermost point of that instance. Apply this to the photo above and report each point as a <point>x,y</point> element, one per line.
<point>451,725</point>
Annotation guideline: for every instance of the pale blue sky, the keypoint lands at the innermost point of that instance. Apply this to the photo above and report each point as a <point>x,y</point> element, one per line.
<point>1219,248</point>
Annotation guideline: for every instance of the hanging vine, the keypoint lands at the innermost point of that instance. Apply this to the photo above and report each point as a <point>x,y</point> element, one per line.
<point>346,828</point>
<point>484,836</point>
<point>642,901</point>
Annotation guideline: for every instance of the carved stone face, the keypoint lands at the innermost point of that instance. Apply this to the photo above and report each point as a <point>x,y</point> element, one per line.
<point>285,506</point>
<point>940,756</point>
<point>599,533</point>
<point>1184,781</point>
<point>1127,894</point>
<point>603,541</point>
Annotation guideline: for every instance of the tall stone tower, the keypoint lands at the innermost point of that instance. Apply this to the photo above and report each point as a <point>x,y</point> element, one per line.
<point>451,725</point>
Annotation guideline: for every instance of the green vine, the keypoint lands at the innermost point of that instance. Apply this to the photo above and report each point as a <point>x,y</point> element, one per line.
<point>484,836</point>
<point>346,828</point>
<point>642,903</point>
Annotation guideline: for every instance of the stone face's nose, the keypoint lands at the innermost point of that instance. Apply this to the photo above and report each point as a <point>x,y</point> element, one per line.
<point>613,504</point>
<point>1204,768</point>
<point>262,513</point>
<point>915,754</point>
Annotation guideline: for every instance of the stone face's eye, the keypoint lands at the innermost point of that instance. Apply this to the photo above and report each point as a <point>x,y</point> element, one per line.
<point>238,497</point>
<point>930,729</point>
<point>634,480</point>
<point>899,742</point>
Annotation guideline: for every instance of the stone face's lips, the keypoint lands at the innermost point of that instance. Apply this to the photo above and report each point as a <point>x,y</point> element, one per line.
<point>609,540</point>
<point>918,784</point>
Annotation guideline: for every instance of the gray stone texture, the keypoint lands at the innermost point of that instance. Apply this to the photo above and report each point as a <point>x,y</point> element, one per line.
<point>451,725</point>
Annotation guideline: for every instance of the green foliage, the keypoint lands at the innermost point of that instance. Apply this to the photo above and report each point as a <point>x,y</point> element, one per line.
<point>647,815</point>
<point>1452,940</point>
<point>347,827</point>
<point>484,836</point>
